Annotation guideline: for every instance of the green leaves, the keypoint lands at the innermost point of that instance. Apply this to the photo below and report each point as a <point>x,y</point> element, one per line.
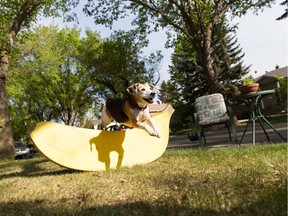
<point>118,62</point>
<point>57,75</point>
<point>54,83</point>
<point>196,20</point>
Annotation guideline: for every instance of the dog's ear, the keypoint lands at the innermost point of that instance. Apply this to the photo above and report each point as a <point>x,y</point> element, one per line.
<point>132,89</point>
<point>153,87</point>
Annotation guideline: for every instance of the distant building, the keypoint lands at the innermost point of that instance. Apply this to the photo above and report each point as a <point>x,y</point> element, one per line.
<point>268,81</point>
<point>269,104</point>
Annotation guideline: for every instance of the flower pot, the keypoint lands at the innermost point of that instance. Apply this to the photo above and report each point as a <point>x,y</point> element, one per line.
<point>249,88</point>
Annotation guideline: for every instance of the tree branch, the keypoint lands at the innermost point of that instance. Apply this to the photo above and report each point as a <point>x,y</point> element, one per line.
<point>159,12</point>
<point>23,14</point>
<point>220,12</point>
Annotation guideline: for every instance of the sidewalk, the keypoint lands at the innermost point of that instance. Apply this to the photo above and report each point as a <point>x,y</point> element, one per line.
<point>220,138</point>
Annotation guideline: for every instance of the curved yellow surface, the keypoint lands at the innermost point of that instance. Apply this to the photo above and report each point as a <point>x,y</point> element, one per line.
<point>92,150</point>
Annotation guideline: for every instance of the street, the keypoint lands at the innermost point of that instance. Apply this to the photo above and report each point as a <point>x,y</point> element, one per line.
<point>220,138</point>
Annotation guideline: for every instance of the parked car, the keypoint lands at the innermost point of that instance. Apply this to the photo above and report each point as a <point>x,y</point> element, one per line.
<point>22,151</point>
<point>33,149</point>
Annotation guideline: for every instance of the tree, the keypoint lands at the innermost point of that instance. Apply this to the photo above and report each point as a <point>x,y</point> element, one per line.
<point>187,77</point>
<point>117,63</point>
<point>170,94</point>
<point>195,19</point>
<point>186,73</point>
<point>285,15</point>
<point>14,16</point>
<point>47,81</point>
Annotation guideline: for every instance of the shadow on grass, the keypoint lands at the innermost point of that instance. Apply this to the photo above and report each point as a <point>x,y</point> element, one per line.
<point>168,206</point>
<point>136,208</point>
<point>272,201</point>
<point>31,168</point>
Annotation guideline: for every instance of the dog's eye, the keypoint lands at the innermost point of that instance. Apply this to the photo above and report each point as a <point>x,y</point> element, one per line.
<point>143,89</point>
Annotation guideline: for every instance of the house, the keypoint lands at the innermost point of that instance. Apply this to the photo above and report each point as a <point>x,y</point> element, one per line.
<point>268,81</point>
<point>269,104</point>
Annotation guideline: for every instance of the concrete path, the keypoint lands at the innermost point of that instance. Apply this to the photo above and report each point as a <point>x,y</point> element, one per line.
<point>220,138</point>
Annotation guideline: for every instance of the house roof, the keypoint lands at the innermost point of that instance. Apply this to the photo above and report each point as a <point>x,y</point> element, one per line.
<point>271,74</point>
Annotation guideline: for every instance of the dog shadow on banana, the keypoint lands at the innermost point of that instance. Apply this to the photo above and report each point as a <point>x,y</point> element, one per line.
<point>104,144</point>
<point>132,110</point>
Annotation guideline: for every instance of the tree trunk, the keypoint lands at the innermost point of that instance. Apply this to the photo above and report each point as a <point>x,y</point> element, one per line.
<point>206,62</point>
<point>6,142</point>
<point>211,77</point>
<point>6,137</point>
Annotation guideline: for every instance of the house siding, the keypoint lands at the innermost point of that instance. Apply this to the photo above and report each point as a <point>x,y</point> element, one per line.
<point>269,105</point>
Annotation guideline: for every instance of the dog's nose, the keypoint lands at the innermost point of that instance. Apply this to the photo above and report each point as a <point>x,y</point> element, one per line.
<point>152,94</point>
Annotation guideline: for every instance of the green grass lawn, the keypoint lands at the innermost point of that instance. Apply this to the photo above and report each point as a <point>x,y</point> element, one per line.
<point>227,181</point>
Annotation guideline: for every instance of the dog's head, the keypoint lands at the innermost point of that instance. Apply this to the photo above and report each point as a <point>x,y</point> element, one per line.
<point>143,93</point>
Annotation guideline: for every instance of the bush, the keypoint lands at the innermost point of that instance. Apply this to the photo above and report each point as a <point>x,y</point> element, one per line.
<point>281,92</point>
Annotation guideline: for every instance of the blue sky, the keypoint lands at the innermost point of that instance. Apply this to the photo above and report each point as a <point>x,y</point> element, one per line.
<point>263,39</point>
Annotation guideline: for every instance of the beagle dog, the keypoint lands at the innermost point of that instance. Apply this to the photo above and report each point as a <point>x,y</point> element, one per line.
<point>133,108</point>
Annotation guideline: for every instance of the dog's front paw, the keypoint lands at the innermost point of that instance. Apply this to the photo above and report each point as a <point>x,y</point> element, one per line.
<point>157,133</point>
<point>152,132</point>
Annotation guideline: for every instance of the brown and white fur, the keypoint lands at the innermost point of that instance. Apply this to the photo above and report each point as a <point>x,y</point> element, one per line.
<point>133,108</point>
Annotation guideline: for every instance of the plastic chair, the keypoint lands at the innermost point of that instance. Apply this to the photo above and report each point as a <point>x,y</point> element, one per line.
<point>211,110</point>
